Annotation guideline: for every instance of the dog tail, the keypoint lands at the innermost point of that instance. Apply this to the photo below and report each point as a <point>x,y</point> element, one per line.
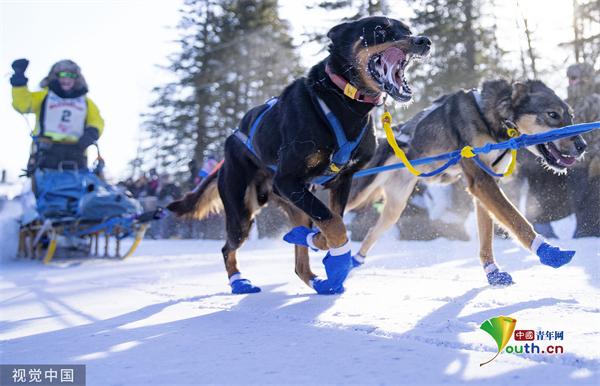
<point>365,189</point>
<point>201,201</point>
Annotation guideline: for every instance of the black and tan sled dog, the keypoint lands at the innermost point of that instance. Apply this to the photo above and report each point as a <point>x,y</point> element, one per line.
<point>319,130</point>
<point>475,118</point>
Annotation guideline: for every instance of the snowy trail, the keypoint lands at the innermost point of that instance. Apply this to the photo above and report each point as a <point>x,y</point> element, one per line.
<point>411,315</point>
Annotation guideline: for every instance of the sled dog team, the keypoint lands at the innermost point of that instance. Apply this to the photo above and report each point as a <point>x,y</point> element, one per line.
<point>320,131</point>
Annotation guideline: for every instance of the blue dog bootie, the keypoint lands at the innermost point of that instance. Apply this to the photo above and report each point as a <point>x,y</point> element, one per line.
<point>497,278</point>
<point>240,285</point>
<point>358,260</point>
<point>549,255</point>
<point>302,236</point>
<point>323,287</point>
<point>338,263</point>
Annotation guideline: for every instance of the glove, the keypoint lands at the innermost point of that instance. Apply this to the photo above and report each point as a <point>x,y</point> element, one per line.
<point>18,79</point>
<point>242,286</point>
<point>549,255</point>
<point>90,135</point>
<point>301,236</point>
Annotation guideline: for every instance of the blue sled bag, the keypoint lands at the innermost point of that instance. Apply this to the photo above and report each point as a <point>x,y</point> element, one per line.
<point>58,192</point>
<point>104,202</point>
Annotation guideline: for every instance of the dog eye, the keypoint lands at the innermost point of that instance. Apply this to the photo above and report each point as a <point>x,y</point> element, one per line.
<point>553,115</point>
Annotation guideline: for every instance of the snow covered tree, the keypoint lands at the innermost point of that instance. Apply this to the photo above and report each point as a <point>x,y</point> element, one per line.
<point>586,30</point>
<point>465,48</point>
<point>359,8</point>
<point>464,42</point>
<point>356,9</point>
<point>234,55</point>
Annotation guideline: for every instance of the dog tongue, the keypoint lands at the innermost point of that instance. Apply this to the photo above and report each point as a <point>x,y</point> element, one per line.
<point>391,59</point>
<point>563,160</point>
<point>393,56</point>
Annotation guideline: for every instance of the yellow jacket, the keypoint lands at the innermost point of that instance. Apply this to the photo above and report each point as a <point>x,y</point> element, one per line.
<point>25,101</point>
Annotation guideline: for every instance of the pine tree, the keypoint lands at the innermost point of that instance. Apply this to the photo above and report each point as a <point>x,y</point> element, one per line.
<point>234,54</point>
<point>586,30</point>
<point>361,8</point>
<point>357,9</point>
<point>530,53</point>
<point>465,49</point>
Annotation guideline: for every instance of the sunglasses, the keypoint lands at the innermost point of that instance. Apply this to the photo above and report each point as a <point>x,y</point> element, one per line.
<point>66,74</point>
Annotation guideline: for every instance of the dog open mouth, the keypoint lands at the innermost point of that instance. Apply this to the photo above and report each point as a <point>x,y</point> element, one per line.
<point>554,157</point>
<point>387,69</point>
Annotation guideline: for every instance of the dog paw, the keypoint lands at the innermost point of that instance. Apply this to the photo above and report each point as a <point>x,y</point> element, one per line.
<point>337,266</point>
<point>243,286</point>
<point>357,260</point>
<point>301,236</point>
<point>554,256</point>
<point>499,279</point>
<point>323,287</point>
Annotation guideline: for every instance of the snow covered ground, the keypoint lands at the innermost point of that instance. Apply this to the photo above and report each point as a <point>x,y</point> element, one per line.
<point>11,211</point>
<point>411,315</point>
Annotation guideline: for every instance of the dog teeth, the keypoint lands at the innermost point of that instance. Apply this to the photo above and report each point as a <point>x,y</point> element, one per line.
<point>392,75</point>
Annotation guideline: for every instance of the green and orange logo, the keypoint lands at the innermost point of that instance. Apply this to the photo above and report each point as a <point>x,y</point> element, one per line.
<point>501,329</point>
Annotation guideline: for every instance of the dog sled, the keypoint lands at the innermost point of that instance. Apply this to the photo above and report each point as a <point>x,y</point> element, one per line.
<point>77,214</point>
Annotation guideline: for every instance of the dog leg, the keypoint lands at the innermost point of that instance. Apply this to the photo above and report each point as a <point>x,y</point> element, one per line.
<point>396,192</point>
<point>298,218</point>
<point>485,230</point>
<point>490,196</point>
<point>238,221</point>
<point>488,193</point>
<point>338,260</point>
<point>338,196</point>
<point>331,225</point>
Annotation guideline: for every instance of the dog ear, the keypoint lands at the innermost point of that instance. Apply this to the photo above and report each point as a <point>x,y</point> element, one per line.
<point>504,108</point>
<point>519,93</point>
<point>336,31</point>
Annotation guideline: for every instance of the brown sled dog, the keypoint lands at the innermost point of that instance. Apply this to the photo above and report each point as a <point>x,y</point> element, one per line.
<point>474,118</point>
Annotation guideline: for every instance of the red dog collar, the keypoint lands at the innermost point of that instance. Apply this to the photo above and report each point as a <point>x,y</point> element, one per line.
<point>349,90</point>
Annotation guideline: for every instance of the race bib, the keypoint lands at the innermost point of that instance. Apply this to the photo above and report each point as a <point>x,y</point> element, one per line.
<point>64,118</point>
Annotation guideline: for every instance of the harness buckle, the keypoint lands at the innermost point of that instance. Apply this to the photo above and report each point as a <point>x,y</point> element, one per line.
<point>511,129</point>
<point>512,132</point>
<point>467,152</point>
<point>334,168</point>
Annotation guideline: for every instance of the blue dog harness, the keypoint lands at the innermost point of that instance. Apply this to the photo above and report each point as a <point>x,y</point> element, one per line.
<point>339,158</point>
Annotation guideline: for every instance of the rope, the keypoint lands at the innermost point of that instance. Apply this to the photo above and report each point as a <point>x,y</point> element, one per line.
<point>386,120</point>
<point>517,142</point>
<point>465,152</point>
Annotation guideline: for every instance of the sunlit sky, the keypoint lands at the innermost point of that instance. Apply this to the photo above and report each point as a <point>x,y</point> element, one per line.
<point>119,43</point>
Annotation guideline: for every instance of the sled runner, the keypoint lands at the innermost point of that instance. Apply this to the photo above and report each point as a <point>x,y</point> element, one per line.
<point>78,214</point>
